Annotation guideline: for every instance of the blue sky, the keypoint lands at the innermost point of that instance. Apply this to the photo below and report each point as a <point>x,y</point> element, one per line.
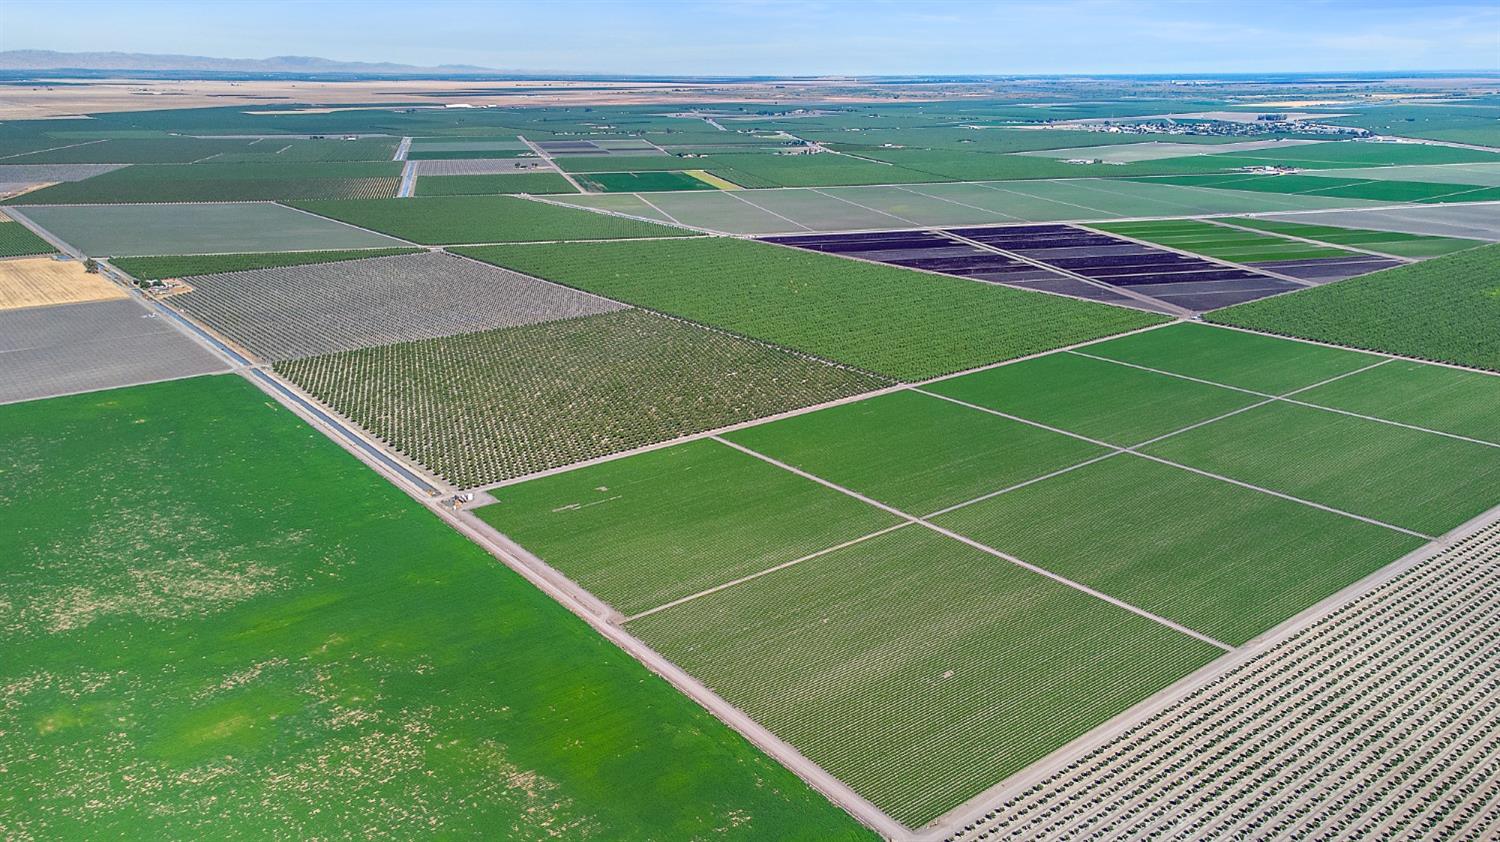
<point>777,37</point>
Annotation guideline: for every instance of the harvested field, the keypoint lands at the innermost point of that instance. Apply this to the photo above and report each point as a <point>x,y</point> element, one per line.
<point>126,230</point>
<point>184,266</point>
<point>918,669</point>
<point>16,240</point>
<point>40,281</point>
<point>303,311</point>
<point>662,525</point>
<point>480,166</point>
<point>1442,309</point>
<point>93,345</point>
<point>481,185</point>
<point>519,400</point>
<point>895,322</point>
<point>442,220</point>
<point>294,648</point>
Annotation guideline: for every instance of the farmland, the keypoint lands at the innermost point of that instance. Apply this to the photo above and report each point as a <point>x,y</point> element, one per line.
<point>609,383</point>
<point>889,321</point>
<point>183,266</point>
<point>1442,309</point>
<point>262,656</point>
<point>786,459</point>
<point>442,220</point>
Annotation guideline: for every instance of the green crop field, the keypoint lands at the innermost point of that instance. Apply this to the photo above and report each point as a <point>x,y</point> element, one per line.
<point>1219,241</point>
<point>642,182</point>
<point>918,669</point>
<point>442,220</point>
<point>1442,309</point>
<point>1232,358</point>
<point>16,240</point>
<point>128,230</point>
<point>1102,400</point>
<point>643,531</point>
<point>483,185</point>
<point>1340,188</point>
<point>183,266</point>
<point>484,407</point>
<point>1224,560</point>
<point>1409,478</point>
<point>915,452</point>
<point>293,648</point>
<point>1439,398</point>
<point>883,319</point>
<point>1389,242</point>
<point>217,182</point>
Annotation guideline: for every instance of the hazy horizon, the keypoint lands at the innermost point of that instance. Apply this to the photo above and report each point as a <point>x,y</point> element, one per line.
<point>781,38</point>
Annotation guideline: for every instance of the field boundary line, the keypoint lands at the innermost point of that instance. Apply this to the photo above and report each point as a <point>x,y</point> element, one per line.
<point>1287,397</point>
<point>1034,197</point>
<point>820,192</point>
<point>1230,264</point>
<point>547,157</point>
<point>906,189</point>
<point>54,149</point>
<point>1225,223</point>
<point>769,570</point>
<point>1123,292</point>
<point>736,194</point>
<point>1372,351</point>
<point>944,826</point>
<point>963,539</point>
<point>547,199</point>
<point>339,221</point>
<point>791,413</point>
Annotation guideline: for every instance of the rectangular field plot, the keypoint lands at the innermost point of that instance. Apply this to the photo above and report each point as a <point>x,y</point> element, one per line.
<point>901,324</point>
<point>539,183</point>
<point>915,452</point>
<point>1189,283</point>
<point>1220,241</point>
<point>484,407</point>
<point>226,183</point>
<point>110,230</point>
<point>1442,309</point>
<point>41,281</point>
<point>441,220</point>
<point>189,265</point>
<point>16,240</point>
<point>1102,400</point>
<point>1233,358</point>
<point>303,311</point>
<point>1409,478</point>
<point>1474,222</point>
<point>95,345</point>
<point>1224,560</point>
<point>481,166</point>
<point>922,205</point>
<point>918,669</point>
<point>1386,242</point>
<point>295,612</point>
<point>658,526</point>
<point>638,182</point>
<point>934,251</point>
<point>1464,403</point>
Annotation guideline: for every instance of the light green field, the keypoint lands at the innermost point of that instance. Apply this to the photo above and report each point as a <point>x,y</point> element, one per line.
<point>1101,400</point>
<point>915,452</point>
<point>1389,242</point>
<point>1224,560</point>
<point>1232,358</point>
<point>795,210</point>
<point>485,185</point>
<point>1219,241</point>
<point>1409,478</point>
<point>645,530</point>
<point>128,230</point>
<point>1464,403</point>
<point>441,220</point>
<point>917,669</point>
<point>891,321</point>
<point>218,624</point>
<point>1443,309</point>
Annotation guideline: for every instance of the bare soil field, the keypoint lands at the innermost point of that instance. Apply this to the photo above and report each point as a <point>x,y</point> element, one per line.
<point>39,281</point>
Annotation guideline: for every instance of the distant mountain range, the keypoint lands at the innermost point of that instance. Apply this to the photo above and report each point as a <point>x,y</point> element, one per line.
<point>51,60</point>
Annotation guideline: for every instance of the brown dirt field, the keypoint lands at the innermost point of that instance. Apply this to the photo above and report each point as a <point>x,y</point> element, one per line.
<point>40,281</point>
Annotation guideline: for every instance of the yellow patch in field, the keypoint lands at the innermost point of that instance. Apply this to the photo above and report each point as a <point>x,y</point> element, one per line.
<point>40,281</point>
<point>709,178</point>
